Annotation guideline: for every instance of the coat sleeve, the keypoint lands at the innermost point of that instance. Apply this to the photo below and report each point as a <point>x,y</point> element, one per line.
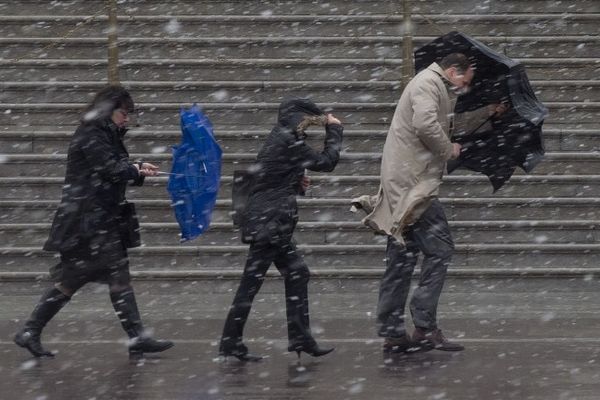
<point>105,160</point>
<point>326,160</point>
<point>428,129</point>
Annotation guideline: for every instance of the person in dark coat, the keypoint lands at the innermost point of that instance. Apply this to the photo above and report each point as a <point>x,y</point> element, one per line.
<point>269,220</point>
<point>94,225</point>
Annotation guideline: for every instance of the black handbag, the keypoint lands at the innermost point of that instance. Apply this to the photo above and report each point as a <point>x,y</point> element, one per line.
<point>129,226</point>
<point>242,184</point>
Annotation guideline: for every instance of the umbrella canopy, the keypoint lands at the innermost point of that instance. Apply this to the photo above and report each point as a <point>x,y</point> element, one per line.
<point>196,173</point>
<point>516,137</point>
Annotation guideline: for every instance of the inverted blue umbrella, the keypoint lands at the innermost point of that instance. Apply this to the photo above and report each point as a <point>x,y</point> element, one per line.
<point>195,175</point>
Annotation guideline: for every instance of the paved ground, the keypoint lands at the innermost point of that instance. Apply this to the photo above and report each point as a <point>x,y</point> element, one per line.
<point>526,339</point>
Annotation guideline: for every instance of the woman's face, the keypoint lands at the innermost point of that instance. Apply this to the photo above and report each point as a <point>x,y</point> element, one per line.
<point>120,117</point>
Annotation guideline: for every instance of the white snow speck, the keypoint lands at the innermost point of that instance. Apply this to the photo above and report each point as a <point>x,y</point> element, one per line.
<point>549,316</point>
<point>28,365</point>
<point>356,388</point>
<point>173,26</point>
<point>220,95</point>
<point>159,149</point>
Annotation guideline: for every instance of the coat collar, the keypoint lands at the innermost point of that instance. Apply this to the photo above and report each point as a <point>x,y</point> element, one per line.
<point>435,67</point>
<point>108,124</point>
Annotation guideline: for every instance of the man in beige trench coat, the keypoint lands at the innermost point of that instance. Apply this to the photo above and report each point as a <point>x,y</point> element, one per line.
<point>407,209</point>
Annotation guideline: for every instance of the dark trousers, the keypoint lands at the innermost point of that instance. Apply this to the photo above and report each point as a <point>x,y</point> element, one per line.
<point>295,274</point>
<point>77,268</point>
<point>430,235</point>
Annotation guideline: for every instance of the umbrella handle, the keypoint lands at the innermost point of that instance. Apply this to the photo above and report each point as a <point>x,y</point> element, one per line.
<point>469,136</point>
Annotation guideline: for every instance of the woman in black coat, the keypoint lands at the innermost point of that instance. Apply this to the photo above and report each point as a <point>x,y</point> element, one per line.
<point>269,220</point>
<point>94,225</point>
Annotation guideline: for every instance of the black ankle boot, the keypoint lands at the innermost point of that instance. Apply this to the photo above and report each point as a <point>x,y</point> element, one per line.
<point>29,337</point>
<point>312,349</point>
<point>140,346</point>
<point>239,351</point>
<point>30,340</point>
<point>126,308</point>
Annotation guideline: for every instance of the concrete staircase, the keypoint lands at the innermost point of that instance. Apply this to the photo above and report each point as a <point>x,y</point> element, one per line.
<point>238,59</point>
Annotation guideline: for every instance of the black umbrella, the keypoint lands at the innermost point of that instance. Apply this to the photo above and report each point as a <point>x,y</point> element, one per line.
<point>516,137</point>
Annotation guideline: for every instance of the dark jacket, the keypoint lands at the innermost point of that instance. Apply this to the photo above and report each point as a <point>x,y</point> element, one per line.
<point>271,212</point>
<point>93,196</point>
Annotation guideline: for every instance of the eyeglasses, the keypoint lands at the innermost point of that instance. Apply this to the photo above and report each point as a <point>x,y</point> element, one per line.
<point>124,113</point>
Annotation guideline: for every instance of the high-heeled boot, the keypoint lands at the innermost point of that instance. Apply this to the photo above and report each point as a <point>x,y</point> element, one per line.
<point>126,308</point>
<point>29,337</point>
<point>310,348</point>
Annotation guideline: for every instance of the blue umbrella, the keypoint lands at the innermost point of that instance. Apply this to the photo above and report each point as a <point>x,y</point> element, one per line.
<point>196,173</point>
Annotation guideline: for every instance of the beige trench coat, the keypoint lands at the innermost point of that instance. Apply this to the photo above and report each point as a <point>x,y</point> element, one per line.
<point>415,153</point>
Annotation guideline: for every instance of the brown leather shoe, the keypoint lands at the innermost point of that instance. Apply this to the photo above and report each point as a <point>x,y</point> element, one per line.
<point>436,339</point>
<point>404,345</point>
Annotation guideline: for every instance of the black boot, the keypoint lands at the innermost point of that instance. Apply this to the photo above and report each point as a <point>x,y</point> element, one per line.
<point>310,348</point>
<point>237,350</point>
<point>126,308</point>
<point>29,337</point>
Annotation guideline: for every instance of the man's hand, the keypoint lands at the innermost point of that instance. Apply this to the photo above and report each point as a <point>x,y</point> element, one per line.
<point>497,109</point>
<point>332,120</point>
<point>147,169</point>
<point>455,151</point>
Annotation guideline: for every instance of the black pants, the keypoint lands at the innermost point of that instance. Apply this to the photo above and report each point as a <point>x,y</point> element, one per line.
<point>296,275</point>
<point>430,235</point>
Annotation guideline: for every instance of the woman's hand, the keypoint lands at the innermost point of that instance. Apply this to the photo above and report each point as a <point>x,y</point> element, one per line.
<point>332,120</point>
<point>147,169</point>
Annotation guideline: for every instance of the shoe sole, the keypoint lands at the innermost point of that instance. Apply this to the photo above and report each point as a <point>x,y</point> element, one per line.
<point>454,350</point>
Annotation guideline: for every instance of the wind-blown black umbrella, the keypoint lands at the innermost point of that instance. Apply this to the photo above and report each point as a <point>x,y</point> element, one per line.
<point>516,137</point>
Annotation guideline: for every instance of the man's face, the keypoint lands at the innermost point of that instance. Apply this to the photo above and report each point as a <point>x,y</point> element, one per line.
<point>460,81</point>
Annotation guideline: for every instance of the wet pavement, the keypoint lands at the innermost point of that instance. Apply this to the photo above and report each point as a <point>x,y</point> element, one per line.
<point>526,339</point>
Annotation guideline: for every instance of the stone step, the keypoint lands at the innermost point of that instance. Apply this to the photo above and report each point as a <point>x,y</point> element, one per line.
<point>277,47</point>
<point>227,258</point>
<point>327,209</point>
<point>139,25</point>
<point>310,7</point>
<point>138,140</point>
<point>344,275</point>
<point>260,91</point>
<point>53,165</point>
<point>242,69</point>
<point>522,186</point>
<point>235,115</point>
<point>341,232</point>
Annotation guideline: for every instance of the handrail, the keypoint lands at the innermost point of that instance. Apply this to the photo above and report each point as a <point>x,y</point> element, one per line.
<point>408,69</point>
<point>113,47</point>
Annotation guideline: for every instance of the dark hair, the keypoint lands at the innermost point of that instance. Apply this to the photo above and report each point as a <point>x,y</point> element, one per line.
<point>456,60</point>
<point>107,100</point>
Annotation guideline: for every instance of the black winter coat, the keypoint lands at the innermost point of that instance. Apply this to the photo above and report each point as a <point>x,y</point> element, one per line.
<point>97,174</point>
<point>271,212</point>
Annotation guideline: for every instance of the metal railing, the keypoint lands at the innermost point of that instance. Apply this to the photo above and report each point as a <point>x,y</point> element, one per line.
<point>113,45</point>
<point>408,69</point>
